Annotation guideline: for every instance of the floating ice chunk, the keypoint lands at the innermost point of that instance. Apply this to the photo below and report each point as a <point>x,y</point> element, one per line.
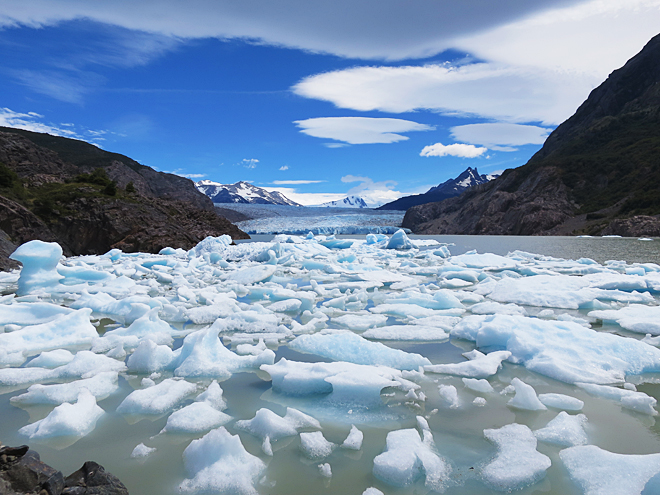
<point>52,359</point>
<point>372,491</point>
<point>39,272</point>
<point>407,332</point>
<point>564,430</point>
<point>157,399</point>
<point>315,446</point>
<point>481,386</point>
<point>360,322</point>
<point>101,386</point>
<point>654,341</point>
<point>221,308</point>
<point>218,463</point>
<point>450,395</point>
<point>213,396</point>
<point>525,397</point>
<point>561,401</point>
<point>492,307</point>
<point>286,306</point>
<point>150,357</point>
<point>354,439</point>
<point>325,470</point>
<point>148,326</point>
<point>399,241</point>
<point>636,318</point>
<point>67,420</point>
<point>599,472</point>
<point>485,261</point>
<point>195,418</point>
<point>346,383</point>
<point>407,458</point>
<point>479,401</point>
<point>252,275</point>
<point>352,348</point>
<point>82,274</point>
<point>376,238</point>
<point>441,299</point>
<point>70,330</point>
<point>561,350</point>
<point>211,245</point>
<point>630,399</point>
<point>517,463</point>
<point>126,310</point>
<point>479,365</point>
<point>141,451</point>
<point>270,427</point>
<point>85,362</point>
<point>252,350</point>
<point>203,354</point>
<point>31,313</point>
<point>403,310</point>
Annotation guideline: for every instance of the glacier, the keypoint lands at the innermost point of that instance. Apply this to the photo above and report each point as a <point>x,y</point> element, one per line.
<point>310,361</point>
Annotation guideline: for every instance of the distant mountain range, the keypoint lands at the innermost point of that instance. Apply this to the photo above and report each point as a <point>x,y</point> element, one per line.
<point>598,173</point>
<point>241,192</point>
<point>347,202</point>
<point>448,189</point>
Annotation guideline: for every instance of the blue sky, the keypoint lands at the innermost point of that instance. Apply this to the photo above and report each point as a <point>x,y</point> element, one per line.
<point>316,99</point>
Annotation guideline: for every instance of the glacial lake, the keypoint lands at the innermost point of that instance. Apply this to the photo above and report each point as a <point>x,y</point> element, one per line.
<point>458,432</point>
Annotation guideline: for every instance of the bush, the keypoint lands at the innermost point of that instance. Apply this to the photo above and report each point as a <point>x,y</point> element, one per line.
<point>7,176</point>
<point>110,189</point>
<point>130,188</point>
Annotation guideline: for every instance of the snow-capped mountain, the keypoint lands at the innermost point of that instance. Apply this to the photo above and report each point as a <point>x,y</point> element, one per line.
<point>347,202</point>
<point>450,188</point>
<point>241,192</point>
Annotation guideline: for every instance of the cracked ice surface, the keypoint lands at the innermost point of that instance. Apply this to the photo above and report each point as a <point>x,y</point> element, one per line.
<point>270,366</point>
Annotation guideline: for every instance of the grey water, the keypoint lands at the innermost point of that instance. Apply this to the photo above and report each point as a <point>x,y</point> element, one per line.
<point>458,433</point>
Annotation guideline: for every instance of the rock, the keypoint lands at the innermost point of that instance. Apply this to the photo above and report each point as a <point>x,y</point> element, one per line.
<point>637,226</point>
<point>92,479</point>
<point>22,472</point>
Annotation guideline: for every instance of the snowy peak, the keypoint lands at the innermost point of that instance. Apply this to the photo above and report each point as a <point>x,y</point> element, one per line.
<point>347,202</point>
<point>241,192</point>
<point>469,178</point>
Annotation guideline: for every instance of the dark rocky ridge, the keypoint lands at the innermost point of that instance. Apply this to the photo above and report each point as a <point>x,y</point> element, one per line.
<point>598,172</point>
<point>46,203</point>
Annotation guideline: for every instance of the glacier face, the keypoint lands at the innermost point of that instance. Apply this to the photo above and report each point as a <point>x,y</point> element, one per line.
<point>269,367</point>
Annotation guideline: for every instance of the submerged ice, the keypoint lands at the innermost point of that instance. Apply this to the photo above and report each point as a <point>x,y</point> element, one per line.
<point>367,349</point>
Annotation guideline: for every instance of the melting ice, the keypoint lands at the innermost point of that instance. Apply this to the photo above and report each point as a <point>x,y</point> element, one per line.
<point>383,364</point>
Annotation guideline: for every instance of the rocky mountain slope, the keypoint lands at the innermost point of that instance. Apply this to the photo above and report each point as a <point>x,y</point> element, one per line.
<point>448,189</point>
<point>90,201</point>
<point>241,192</point>
<point>597,173</point>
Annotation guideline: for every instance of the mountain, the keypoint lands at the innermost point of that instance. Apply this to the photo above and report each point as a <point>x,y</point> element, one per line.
<point>597,173</point>
<point>448,189</point>
<point>347,202</point>
<point>241,192</point>
<point>90,200</point>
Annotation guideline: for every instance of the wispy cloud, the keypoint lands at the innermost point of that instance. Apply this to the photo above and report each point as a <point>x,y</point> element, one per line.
<point>249,162</point>
<point>360,130</point>
<point>284,167</point>
<point>32,121</point>
<point>70,87</point>
<point>375,193</point>
<point>457,149</point>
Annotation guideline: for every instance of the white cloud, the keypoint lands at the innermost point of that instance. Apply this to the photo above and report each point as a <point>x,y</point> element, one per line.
<point>374,193</point>
<point>360,130</point>
<point>249,162</point>
<point>295,182</point>
<point>378,29</point>
<point>193,176</point>
<point>500,136</point>
<point>460,150</point>
<point>30,122</point>
<point>307,199</point>
<point>284,167</point>
<point>494,91</point>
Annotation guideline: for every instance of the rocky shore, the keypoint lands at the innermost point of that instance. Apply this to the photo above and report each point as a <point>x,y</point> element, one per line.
<point>23,473</point>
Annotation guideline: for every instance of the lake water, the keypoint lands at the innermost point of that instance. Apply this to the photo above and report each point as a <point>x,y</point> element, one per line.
<point>458,433</point>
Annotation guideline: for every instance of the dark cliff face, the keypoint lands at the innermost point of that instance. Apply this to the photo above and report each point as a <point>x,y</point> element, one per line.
<point>65,158</point>
<point>42,196</point>
<point>600,166</point>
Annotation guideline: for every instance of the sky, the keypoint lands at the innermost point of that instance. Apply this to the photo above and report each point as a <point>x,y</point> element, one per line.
<point>316,99</point>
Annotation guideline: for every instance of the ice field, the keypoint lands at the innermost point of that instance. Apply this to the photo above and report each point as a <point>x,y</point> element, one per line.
<point>312,364</point>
